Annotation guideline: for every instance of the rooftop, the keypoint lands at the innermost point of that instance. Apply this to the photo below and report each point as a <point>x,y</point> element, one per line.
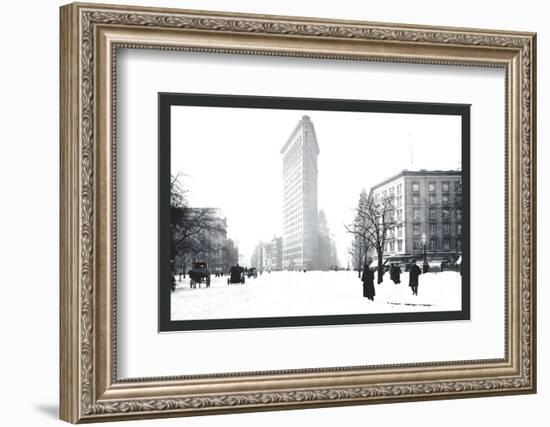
<point>304,120</point>
<point>421,172</point>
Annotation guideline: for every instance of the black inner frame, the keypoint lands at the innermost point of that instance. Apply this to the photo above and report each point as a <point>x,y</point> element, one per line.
<point>167,100</point>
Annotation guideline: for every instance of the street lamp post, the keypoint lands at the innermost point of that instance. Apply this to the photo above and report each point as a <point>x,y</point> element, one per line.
<point>425,265</point>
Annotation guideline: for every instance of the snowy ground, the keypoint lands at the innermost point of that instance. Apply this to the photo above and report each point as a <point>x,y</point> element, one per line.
<point>313,293</point>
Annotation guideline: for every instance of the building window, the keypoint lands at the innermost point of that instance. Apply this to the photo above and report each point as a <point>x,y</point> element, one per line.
<point>446,214</point>
<point>445,199</point>
<point>376,197</point>
<point>416,229</point>
<point>432,214</point>
<point>459,229</point>
<point>446,245</point>
<point>432,229</point>
<point>399,189</point>
<point>432,245</point>
<point>384,193</point>
<point>400,231</point>
<point>399,200</point>
<point>416,213</point>
<point>415,187</point>
<point>400,245</point>
<point>392,246</point>
<point>417,245</point>
<point>432,199</point>
<point>459,214</point>
<point>431,187</point>
<point>399,214</point>
<point>391,190</point>
<point>459,244</point>
<point>445,187</point>
<point>416,200</point>
<point>446,228</point>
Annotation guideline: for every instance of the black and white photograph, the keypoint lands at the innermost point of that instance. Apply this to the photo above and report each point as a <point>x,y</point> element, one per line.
<point>293,211</point>
<point>259,208</point>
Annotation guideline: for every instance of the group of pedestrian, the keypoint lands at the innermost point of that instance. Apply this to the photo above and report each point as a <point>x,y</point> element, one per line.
<point>395,275</point>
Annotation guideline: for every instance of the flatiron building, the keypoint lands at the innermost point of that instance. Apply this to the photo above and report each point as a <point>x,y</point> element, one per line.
<point>300,210</point>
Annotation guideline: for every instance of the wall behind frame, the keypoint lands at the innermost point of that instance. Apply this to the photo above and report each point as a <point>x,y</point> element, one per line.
<point>29,171</point>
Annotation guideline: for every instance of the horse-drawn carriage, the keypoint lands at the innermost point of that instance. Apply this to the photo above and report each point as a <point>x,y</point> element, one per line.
<point>236,275</point>
<point>199,274</point>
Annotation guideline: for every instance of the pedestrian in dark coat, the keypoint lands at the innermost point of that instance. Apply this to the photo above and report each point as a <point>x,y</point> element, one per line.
<point>395,273</point>
<point>414,272</point>
<point>368,282</point>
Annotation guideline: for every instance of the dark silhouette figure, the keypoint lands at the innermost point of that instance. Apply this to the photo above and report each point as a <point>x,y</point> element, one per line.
<point>395,273</point>
<point>414,272</point>
<point>236,275</point>
<point>368,282</point>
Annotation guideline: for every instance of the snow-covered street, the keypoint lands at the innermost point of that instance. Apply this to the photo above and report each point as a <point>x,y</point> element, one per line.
<point>288,293</point>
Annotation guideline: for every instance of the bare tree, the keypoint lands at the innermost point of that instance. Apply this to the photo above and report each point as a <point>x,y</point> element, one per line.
<point>373,223</point>
<point>358,252</point>
<point>193,230</point>
<point>360,244</point>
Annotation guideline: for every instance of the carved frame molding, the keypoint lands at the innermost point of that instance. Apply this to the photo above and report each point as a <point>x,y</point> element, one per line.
<point>90,35</point>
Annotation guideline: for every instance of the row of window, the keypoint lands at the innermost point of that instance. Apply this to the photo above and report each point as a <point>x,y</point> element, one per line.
<point>432,199</point>
<point>294,239</point>
<point>295,150</point>
<point>391,232</point>
<point>432,229</point>
<point>431,245</point>
<point>418,245</point>
<point>432,214</point>
<point>288,252</point>
<point>292,218</point>
<point>291,185</point>
<point>432,186</point>
<point>398,189</point>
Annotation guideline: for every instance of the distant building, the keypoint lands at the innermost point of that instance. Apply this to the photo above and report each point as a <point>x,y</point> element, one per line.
<point>428,210</point>
<point>230,254</point>
<point>277,254</point>
<point>268,256</point>
<point>216,256</point>
<point>257,258</point>
<point>300,223</point>
<point>327,258</point>
<point>211,245</point>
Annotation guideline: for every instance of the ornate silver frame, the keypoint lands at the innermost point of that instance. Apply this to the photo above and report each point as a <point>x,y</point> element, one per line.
<point>90,35</point>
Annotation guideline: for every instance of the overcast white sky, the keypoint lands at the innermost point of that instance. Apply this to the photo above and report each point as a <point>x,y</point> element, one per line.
<point>231,160</point>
